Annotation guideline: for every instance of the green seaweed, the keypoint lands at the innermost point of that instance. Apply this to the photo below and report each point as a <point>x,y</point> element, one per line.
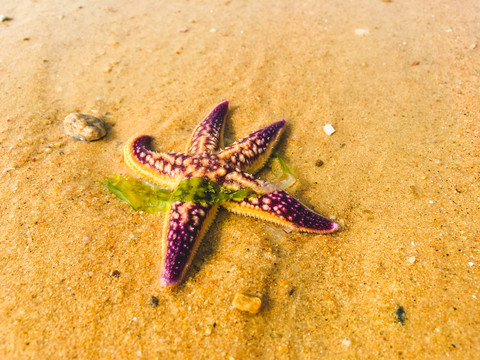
<point>287,179</point>
<point>150,198</point>
<point>140,195</point>
<point>283,164</point>
<point>144,196</point>
<point>199,190</point>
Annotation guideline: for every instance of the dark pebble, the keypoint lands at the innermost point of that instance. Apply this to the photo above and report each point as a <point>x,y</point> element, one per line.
<point>116,273</point>
<point>153,301</point>
<point>319,163</point>
<point>401,315</point>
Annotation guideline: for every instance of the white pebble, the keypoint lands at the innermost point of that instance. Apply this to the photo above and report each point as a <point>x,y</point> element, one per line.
<point>84,127</point>
<point>362,32</point>
<point>347,342</point>
<point>329,130</point>
<point>470,263</point>
<point>411,260</point>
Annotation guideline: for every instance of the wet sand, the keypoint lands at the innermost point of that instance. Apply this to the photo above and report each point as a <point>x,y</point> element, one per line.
<point>397,80</point>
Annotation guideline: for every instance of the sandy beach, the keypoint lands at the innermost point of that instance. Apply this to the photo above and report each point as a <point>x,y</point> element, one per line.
<point>398,81</point>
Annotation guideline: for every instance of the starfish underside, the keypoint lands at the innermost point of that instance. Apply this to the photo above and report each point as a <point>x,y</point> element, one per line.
<point>187,222</point>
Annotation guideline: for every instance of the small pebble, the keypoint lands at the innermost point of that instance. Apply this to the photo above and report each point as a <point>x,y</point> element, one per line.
<point>154,301</point>
<point>116,273</point>
<point>401,315</point>
<point>247,303</point>
<point>84,127</point>
<point>329,130</point>
<point>411,260</point>
<point>319,163</point>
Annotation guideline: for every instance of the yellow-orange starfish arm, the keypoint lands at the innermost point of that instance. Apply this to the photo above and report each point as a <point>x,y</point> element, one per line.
<point>185,226</point>
<point>251,153</point>
<point>162,169</point>
<point>282,209</point>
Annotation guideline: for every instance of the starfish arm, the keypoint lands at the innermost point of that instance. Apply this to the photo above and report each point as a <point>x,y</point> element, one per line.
<point>208,134</point>
<point>185,226</point>
<point>160,168</point>
<point>251,153</point>
<point>281,208</point>
<point>235,179</point>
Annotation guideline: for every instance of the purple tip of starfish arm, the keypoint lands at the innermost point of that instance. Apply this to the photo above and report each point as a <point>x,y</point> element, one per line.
<point>167,281</point>
<point>335,227</point>
<point>283,205</point>
<point>272,128</point>
<point>142,142</point>
<point>268,133</point>
<point>208,133</point>
<point>275,127</point>
<point>218,113</point>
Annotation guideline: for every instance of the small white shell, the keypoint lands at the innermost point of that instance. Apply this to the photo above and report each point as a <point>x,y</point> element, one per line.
<point>329,130</point>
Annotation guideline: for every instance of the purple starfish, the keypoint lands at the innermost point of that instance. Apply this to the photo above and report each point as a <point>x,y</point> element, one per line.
<point>187,222</point>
